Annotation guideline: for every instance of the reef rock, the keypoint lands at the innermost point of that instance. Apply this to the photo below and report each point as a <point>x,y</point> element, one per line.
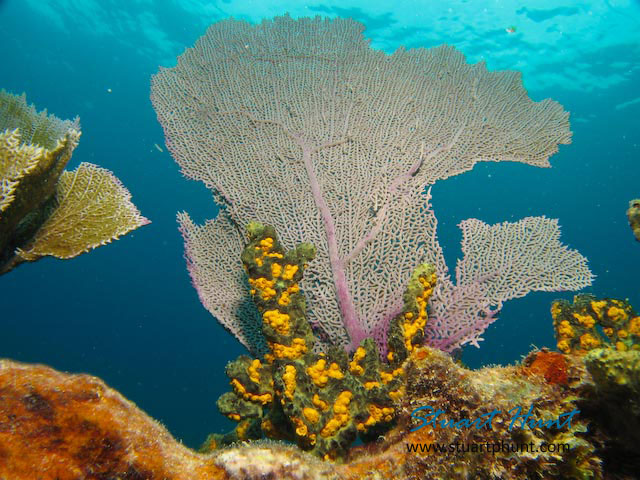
<point>62,426</point>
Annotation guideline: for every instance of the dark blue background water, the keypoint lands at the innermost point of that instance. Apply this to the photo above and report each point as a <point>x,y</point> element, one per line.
<point>127,312</point>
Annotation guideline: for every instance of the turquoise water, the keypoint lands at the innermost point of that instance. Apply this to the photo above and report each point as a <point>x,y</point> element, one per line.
<point>127,312</point>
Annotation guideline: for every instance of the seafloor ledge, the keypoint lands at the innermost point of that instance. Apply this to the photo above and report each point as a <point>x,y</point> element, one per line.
<point>61,426</point>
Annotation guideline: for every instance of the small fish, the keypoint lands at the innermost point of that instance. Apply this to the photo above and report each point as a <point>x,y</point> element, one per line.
<point>158,147</point>
<point>511,29</point>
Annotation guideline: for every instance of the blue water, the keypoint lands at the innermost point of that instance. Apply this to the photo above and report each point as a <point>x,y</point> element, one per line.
<point>127,312</point>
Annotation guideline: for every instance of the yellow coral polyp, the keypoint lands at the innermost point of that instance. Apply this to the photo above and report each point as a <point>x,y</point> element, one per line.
<point>277,320</point>
<point>598,307</point>
<point>289,272</point>
<point>586,320</point>
<point>555,310</point>
<point>315,372</point>
<point>296,350</point>
<point>289,379</point>
<point>276,270</point>
<point>565,330</point>
<point>334,371</point>
<point>265,286</point>
<point>378,414</point>
<point>370,385</point>
<point>234,416</point>
<point>634,326</point>
<point>621,347</point>
<point>396,395</point>
<point>617,314</point>
<point>285,298</point>
<point>311,414</point>
<point>254,371</point>
<point>265,244</point>
<point>257,398</point>
<point>340,415</point>
<point>564,346</point>
<point>411,328</point>
<point>588,341</point>
<point>268,293</point>
<point>318,402</point>
<point>623,333</point>
<point>241,429</point>
<point>301,428</point>
<point>354,366</point>
<point>320,374</point>
<point>430,282</point>
<point>386,377</point>
<point>608,331</point>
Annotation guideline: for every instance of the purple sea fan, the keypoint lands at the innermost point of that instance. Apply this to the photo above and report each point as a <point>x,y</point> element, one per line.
<point>301,125</point>
<point>500,262</point>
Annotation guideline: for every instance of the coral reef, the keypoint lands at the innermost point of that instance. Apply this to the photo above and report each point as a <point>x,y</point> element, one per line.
<point>507,447</point>
<point>578,325</point>
<point>633,214</point>
<point>60,426</point>
<point>531,417</point>
<point>321,401</point>
<point>45,210</point>
<point>554,416</point>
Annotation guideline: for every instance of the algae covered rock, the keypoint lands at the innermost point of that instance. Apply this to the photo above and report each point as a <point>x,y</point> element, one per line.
<point>613,404</point>
<point>45,210</point>
<point>614,371</point>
